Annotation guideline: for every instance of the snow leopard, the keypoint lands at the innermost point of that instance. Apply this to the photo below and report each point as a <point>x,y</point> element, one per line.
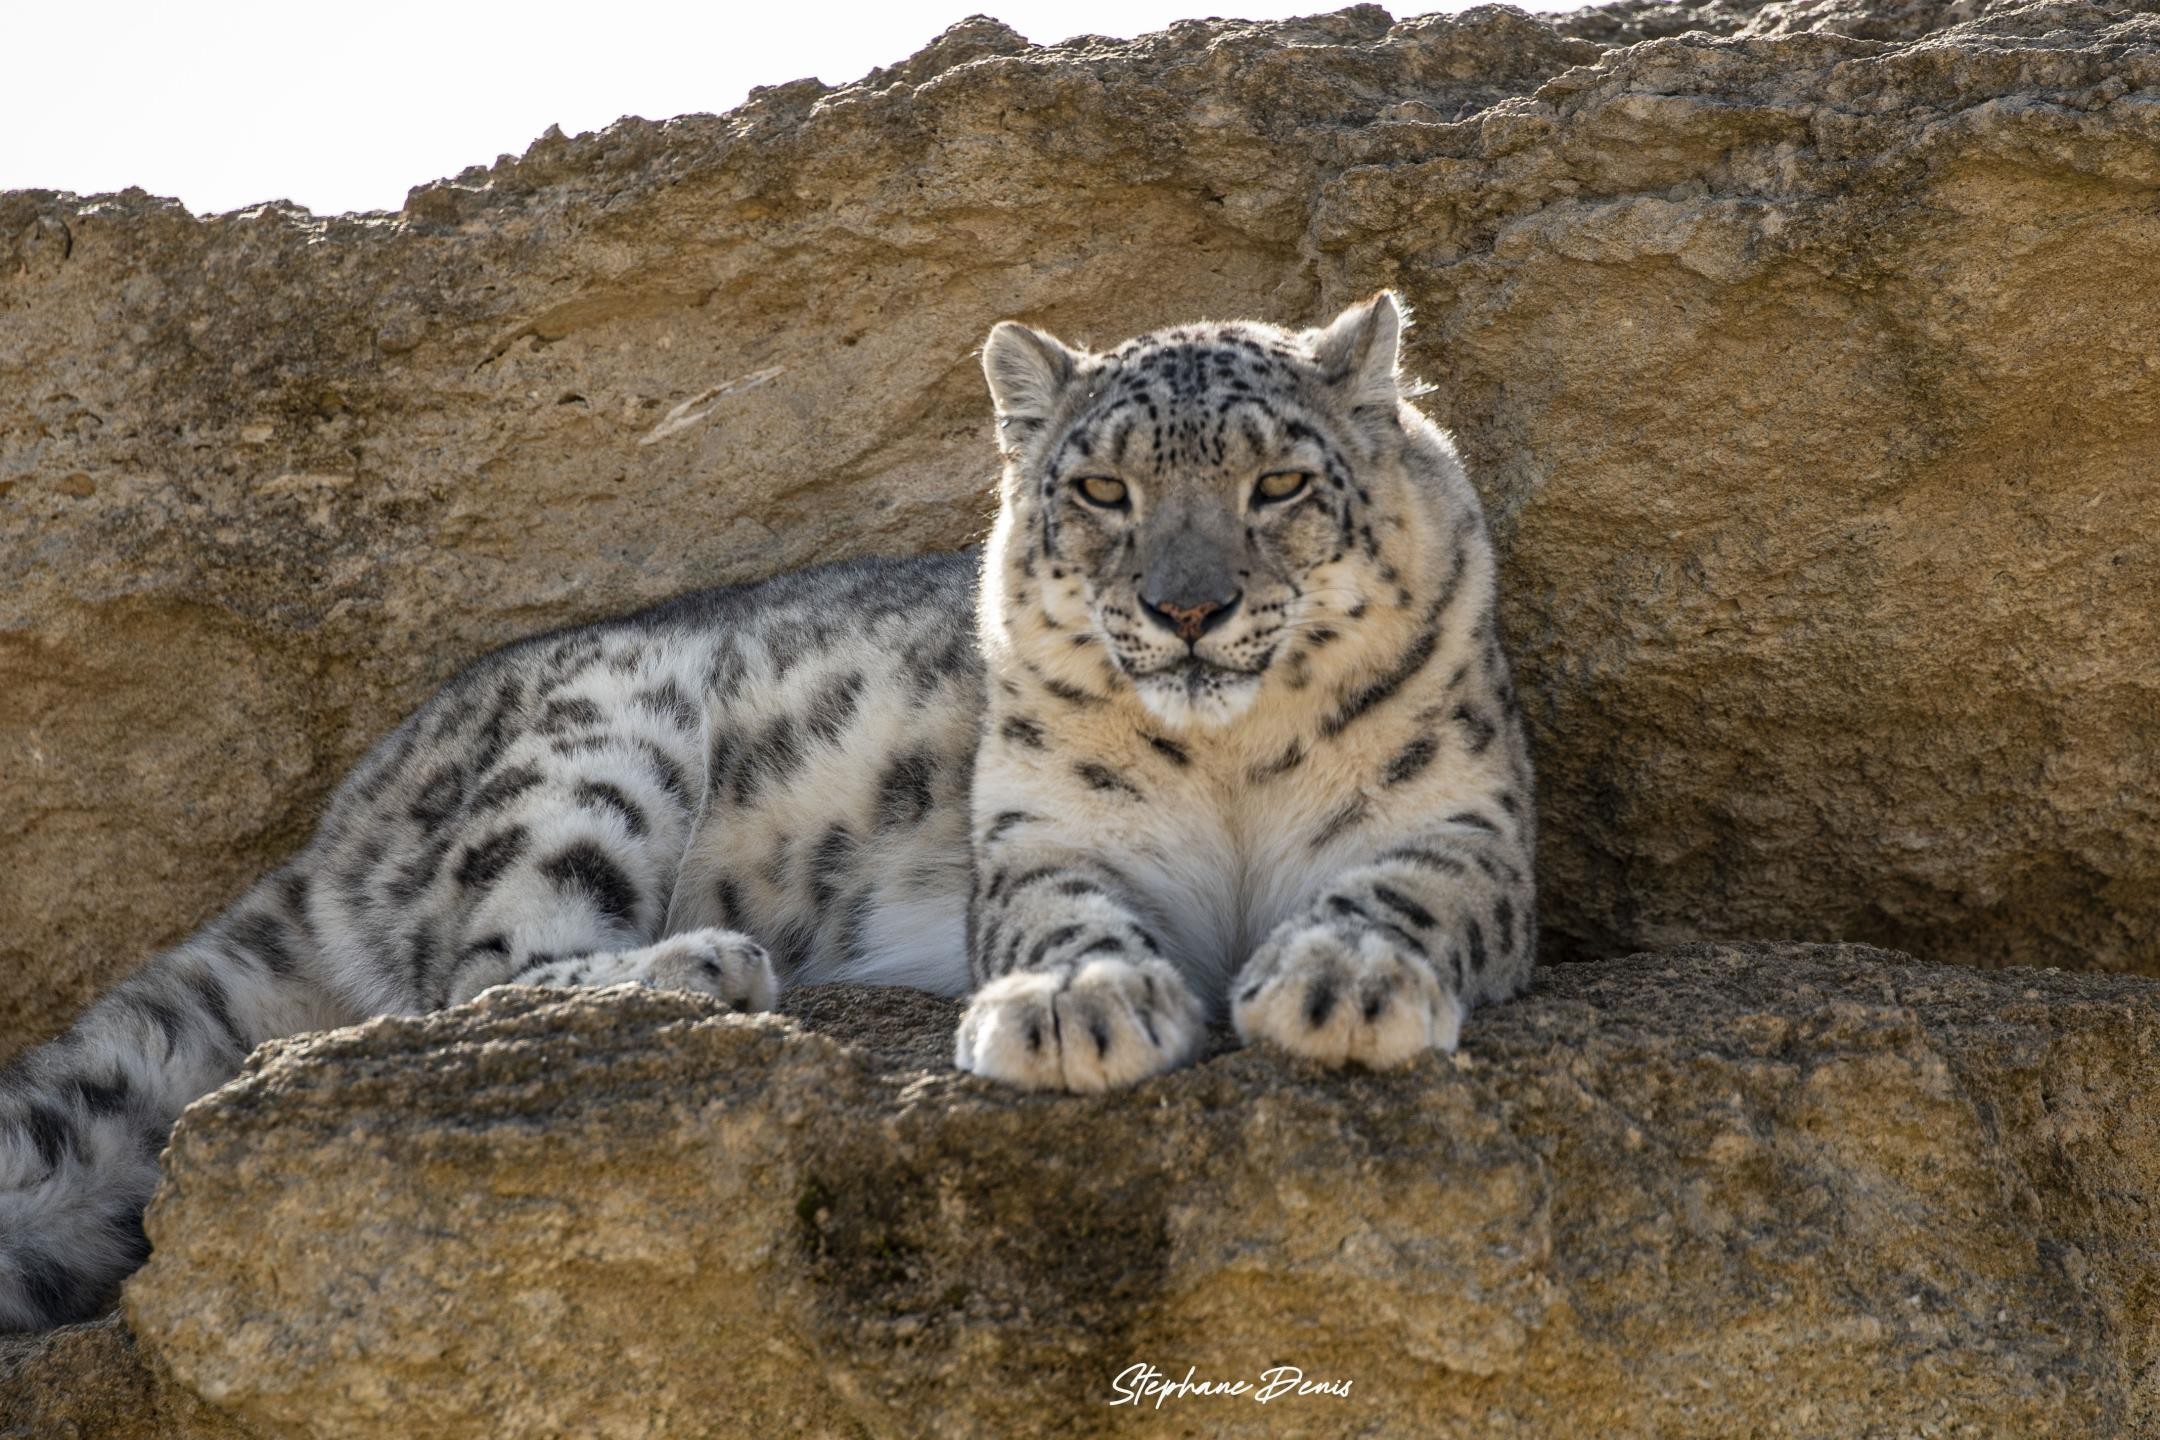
<point>1216,726</point>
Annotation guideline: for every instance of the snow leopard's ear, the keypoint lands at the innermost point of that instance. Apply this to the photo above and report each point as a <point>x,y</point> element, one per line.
<point>1359,351</point>
<point>1028,372</point>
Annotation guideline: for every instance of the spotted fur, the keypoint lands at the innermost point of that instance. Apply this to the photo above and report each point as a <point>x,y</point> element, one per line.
<point>1221,746</point>
<point>1250,742</point>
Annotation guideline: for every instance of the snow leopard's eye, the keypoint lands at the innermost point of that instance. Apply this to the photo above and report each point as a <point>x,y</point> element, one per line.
<point>1279,485</point>
<point>1102,491</point>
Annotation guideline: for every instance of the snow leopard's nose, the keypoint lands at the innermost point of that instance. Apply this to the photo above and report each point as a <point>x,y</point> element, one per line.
<point>1193,619</point>
<point>1188,580</point>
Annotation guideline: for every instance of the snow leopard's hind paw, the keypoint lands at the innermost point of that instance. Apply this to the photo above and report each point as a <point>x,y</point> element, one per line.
<point>724,963</point>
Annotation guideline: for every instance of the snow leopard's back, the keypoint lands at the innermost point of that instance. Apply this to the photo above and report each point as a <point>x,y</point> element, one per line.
<point>791,753</point>
<point>789,759</point>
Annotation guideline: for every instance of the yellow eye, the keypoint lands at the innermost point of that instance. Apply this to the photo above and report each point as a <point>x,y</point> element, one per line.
<point>1280,485</point>
<point>1102,490</point>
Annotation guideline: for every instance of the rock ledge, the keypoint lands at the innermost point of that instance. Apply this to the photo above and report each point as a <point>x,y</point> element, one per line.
<point>1769,1190</point>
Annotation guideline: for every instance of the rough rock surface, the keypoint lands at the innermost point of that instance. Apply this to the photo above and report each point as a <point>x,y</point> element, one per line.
<point>1628,22</point>
<point>1726,1190</point>
<point>1807,373</point>
<point>91,1382</point>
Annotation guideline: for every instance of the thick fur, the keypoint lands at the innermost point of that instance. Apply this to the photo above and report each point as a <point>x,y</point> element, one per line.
<point>1234,744</point>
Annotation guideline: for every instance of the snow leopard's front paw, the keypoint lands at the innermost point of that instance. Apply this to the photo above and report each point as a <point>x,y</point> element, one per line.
<point>1340,989</point>
<point>726,963</point>
<point>1085,1027</point>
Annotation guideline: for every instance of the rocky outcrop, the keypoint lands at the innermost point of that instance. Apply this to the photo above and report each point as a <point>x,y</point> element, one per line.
<point>92,1382</point>
<point>1727,1190</point>
<point>1628,22</point>
<point>1763,1190</point>
<point>1807,374</point>
<point>1802,352</point>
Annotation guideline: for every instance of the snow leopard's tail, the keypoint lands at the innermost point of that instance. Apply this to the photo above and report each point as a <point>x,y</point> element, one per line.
<point>82,1119</point>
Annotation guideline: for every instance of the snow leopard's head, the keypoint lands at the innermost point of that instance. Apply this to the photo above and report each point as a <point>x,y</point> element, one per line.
<point>1208,511</point>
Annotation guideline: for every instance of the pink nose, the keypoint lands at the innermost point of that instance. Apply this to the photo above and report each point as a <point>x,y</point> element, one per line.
<point>1193,621</point>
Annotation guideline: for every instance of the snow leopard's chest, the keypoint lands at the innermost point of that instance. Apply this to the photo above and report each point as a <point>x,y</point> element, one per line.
<point>1226,854</point>
<point>1217,836</point>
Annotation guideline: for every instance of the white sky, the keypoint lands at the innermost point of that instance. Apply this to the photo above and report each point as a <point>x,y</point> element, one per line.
<point>226,103</point>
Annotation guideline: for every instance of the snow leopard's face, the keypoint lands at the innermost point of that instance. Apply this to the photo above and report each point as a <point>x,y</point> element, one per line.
<point>1202,511</point>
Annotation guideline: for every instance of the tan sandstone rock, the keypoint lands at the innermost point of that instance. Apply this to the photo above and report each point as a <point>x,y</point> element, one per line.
<point>1809,377</point>
<point>1731,1190</point>
<point>91,1382</point>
